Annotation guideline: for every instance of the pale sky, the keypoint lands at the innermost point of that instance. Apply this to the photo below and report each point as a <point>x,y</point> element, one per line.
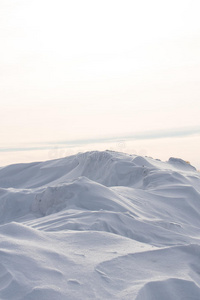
<point>96,69</point>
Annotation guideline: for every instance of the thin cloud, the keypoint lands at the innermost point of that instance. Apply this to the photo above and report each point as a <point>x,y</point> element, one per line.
<point>148,135</point>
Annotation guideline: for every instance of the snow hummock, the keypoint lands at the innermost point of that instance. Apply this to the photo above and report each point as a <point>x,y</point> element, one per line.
<point>100,225</point>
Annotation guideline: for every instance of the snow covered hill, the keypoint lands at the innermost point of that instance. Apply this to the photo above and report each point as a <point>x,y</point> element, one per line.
<point>100,225</point>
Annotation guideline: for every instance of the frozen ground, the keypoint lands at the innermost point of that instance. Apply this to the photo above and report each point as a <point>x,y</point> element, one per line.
<point>100,225</point>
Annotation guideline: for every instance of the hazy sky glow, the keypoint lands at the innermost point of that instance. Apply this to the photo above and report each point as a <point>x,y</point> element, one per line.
<point>75,70</point>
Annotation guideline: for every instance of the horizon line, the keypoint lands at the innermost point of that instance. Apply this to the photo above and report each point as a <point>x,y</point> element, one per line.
<point>149,135</point>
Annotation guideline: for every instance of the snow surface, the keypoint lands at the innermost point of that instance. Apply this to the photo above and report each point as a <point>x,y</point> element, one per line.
<point>100,225</point>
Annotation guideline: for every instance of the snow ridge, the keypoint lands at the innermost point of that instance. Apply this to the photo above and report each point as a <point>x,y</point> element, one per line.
<point>100,225</point>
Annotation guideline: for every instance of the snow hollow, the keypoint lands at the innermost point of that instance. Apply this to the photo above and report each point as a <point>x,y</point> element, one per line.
<point>100,225</point>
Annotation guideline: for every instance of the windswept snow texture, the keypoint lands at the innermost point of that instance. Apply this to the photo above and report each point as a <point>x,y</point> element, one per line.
<point>100,225</point>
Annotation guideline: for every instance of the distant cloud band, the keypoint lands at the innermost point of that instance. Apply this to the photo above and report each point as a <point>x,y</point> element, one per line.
<point>149,135</point>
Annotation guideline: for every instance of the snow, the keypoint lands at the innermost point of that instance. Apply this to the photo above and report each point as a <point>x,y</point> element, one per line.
<point>100,225</point>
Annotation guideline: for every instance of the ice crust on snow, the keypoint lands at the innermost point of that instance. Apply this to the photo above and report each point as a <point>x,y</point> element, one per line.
<point>100,225</point>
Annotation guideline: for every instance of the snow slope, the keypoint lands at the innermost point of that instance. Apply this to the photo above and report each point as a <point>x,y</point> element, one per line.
<point>100,225</point>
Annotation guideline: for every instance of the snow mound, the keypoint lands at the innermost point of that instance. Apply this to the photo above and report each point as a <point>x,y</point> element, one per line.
<point>80,193</point>
<point>168,289</point>
<point>181,164</point>
<point>100,225</point>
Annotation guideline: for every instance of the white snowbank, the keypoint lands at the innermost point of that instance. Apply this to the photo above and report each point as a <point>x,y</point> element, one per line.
<point>100,225</point>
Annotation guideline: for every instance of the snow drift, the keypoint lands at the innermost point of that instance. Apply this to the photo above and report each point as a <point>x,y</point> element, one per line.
<point>100,225</point>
